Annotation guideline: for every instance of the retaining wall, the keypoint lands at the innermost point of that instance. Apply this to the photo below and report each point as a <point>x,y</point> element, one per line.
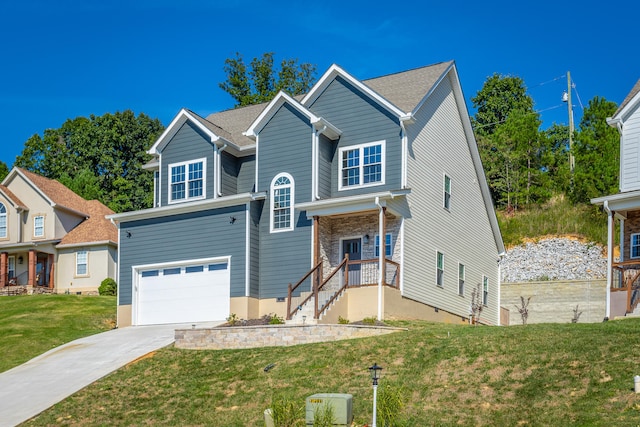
<point>554,301</point>
<point>272,335</point>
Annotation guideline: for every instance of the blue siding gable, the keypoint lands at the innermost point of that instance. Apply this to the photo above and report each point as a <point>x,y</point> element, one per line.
<point>189,143</point>
<point>361,121</point>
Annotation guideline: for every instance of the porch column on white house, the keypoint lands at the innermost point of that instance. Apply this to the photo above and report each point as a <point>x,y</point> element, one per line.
<point>610,233</point>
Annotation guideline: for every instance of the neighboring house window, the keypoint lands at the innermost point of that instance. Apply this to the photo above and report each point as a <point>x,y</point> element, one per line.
<point>387,245</point>
<point>82,259</point>
<point>282,188</point>
<point>440,269</point>
<point>187,181</point>
<point>12,267</point>
<point>3,221</point>
<point>447,192</point>
<point>38,226</point>
<point>362,165</point>
<point>485,290</point>
<point>460,279</point>
<point>635,245</point>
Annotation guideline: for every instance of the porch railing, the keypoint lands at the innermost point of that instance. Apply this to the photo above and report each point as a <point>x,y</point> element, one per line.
<point>626,278</point>
<point>348,274</point>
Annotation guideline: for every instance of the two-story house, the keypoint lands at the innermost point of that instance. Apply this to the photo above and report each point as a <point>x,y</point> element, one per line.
<point>51,238</point>
<point>358,199</point>
<point>623,290</point>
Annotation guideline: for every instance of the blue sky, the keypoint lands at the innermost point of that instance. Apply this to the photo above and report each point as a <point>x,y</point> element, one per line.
<point>69,58</point>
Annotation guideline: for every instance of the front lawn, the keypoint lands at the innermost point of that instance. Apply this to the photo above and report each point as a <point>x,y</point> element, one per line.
<point>33,324</point>
<point>449,375</point>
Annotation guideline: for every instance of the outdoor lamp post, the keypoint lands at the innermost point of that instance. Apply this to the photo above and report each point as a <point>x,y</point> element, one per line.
<point>375,376</point>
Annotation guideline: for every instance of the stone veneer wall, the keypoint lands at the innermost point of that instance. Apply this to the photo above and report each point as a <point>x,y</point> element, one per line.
<point>272,335</point>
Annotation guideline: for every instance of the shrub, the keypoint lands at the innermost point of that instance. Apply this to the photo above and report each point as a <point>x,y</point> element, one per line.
<point>275,320</point>
<point>390,405</point>
<point>108,287</point>
<point>369,321</point>
<point>286,413</point>
<point>342,321</point>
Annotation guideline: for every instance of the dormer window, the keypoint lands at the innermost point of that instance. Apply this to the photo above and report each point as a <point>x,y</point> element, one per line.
<point>362,165</point>
<point>187,181</point>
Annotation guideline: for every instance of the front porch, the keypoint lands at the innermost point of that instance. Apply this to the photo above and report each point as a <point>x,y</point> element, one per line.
<point>31,269</point>
<point>349,253</point>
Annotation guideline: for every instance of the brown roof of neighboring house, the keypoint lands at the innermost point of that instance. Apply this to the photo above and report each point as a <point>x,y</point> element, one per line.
<point>12,197</point>
<point>96,228</point>
<point>634,92</point>
<point>56,192</point>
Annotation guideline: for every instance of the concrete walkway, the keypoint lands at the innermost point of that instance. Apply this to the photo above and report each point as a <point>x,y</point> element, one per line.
<point>29,389</point>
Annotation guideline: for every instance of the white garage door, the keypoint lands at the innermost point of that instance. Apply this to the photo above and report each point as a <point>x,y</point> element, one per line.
<point>180,294</point>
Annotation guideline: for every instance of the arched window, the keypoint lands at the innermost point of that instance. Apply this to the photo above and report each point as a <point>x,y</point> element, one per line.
<point>282,202</point>
<point>3,221</point>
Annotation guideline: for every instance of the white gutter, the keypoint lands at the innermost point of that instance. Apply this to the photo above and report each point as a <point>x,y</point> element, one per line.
<point>405,150</point>
<point>607,308</point>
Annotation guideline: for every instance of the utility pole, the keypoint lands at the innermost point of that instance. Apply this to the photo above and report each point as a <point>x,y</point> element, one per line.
<point>572,160</point>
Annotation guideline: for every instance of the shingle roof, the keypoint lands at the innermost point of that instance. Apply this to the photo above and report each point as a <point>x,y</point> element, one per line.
<point>56,192</point>
<point>94,229</point>
<point>634,92</point>
<point>407,88</point>
<point>13,197</point>
<point>404,89</point>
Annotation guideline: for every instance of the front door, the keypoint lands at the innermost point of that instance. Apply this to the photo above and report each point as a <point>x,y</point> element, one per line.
<point>42,270</point>
<point>353,248</point>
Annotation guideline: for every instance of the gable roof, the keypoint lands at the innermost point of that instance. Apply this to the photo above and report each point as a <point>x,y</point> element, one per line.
<point>57,194</point>
<point>12,197</point>
<point>96,228</point>
<point>627,100</point>
<point>407,89</point>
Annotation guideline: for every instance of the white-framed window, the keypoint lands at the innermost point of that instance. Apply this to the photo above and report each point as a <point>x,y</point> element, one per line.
<point>446,201</point>
<point>187,180</point>
<point>362,165</point>
<point>82,263</point>
<point>282,191</point>
<point>38,226</point>
<point>440,269</point>
<point>387,245</point>
<point>460,279</point>
<point>485,290</point>
<point>635,245</point>
<point>11,270</point>
<point>3,221</point>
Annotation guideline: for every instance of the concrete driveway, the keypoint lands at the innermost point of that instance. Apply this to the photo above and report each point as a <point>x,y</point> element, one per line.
<point>29,389</point>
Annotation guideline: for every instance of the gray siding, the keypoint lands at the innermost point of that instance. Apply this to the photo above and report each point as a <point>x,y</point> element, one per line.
<point>246,174</point>
<point>438,145</point>
<point>229,174</point>
<point>326,152</point>
<point>183,237</point>
<point>361,121</point>
<point>254,249</point>
<point>188,144</point>
<point>284,145</point>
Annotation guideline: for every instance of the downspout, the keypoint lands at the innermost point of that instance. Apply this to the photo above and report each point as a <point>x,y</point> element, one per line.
<point>607,307</point>
<point>501,256</point>
<point>405,150</point>
<point>381,253</point>
<point>218,175</point>
<point>315,179</point>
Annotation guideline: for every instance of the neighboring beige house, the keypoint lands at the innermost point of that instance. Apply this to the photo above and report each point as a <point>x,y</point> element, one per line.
<point>51,238</point>
<point>623,292</point>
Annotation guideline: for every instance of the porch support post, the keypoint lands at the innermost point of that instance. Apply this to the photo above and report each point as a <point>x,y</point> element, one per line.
<point>31,278</point>
<point>51,272</point>
<point>610,232</point>
<point>382,226</point>
<point>4,268</point>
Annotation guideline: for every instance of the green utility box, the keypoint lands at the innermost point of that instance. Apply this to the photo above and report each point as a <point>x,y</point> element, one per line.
<point>342,405</point>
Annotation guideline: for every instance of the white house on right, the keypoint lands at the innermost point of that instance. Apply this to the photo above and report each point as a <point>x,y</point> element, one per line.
<point>623,275</point>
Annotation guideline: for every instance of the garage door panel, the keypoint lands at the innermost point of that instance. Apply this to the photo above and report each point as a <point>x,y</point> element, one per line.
<point>185,297</point>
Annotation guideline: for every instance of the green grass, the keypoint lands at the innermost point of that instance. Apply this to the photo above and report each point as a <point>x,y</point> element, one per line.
<point>557,217</point>
<point>535,375</point>
<point>33,324</point>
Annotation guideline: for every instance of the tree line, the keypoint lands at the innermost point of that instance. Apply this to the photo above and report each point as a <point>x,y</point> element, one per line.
<point>101,157</point>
